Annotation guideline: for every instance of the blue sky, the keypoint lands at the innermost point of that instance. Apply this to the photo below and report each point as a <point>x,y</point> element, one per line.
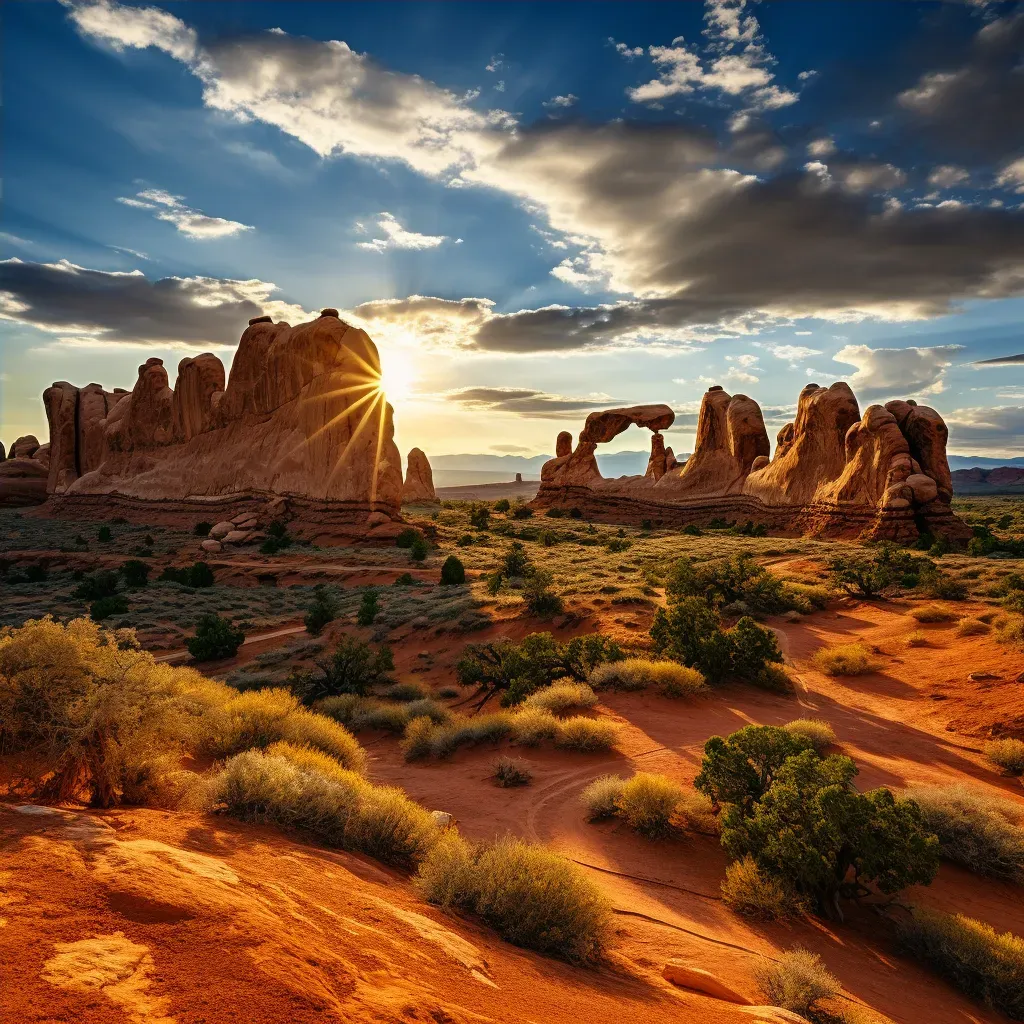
<point>536,210</point>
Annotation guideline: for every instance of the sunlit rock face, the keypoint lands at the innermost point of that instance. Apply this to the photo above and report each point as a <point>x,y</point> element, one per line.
<point>300,414</point>
<point>883,474</point>
<point>419,478</point>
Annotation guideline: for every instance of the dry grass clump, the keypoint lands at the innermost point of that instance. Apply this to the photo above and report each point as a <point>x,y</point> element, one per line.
<point>586,735</point>
<point>652,804</point>
<point>311,760</point>
<point>972,627</point>
<point>981,832</point>
<point>916,638</point>
<point>561,696</point>
<point>1007,754</point>
<point>1010,630</point>
<point>754,894</point>
<point>340,810</point>
<point>532,726</point>
<point>426,738</point>
<point>529,895</point>
<point>360,713</point>
<point>971,955</point>
<point>932,613</point>
<point>672,679</point>
<point>798,982</point>
<point>846,660</point>
<point>818,733</point>
<point>511,771</point>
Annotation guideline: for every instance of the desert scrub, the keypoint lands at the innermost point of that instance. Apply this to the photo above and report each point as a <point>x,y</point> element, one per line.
<point>799,981</point>
<point>586,735</point>
<point>653,805</point>
<point>561,696</point>
<point>312,760</point>
<point>818,734</point>
<point>601,797</point>
<point>345,812</point>
<point>258,718</point>
<point>971,955</point>
<point>932,613</point>
<point>751,892</point>
<point>511,771</point>
<point>916,638</point>
<point>359,713</point>
<point>531,896</point>
<point>673,679</point>
<point>845,660</point>
<point>981,832</point>
<point>1007,754</point>
<point>972,627</point>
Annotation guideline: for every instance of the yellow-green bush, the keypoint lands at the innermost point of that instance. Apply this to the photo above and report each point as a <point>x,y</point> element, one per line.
<point>1007,754</point>
<point>846,660</point>
<point>972,627</point>
<point>533,725</point>
<point>561,696</point>
<point>932,613</point>
<point>751,892</point>
<point>311,760</point>
<point>531,896</point>
<point>673,679</point>
<point>586,735</point>
<point>601,797</point>
<point>798,982</point>
<point>916,638</point>
<point>648,802</point>
<point>818,733</point>
<point>971,955</point>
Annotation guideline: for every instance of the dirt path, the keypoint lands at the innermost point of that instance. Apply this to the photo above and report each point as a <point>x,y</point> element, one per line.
<point>181,655</point>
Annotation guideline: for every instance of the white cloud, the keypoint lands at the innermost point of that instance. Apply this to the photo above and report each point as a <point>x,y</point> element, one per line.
<point>793,353</point>
<point>1012,176</point>
<point>396,237</point>
<point>134,27</point>
<point>496,62</point>
<point>557,102</point>
<point>897,372</point>
<point>869,177</point>
<point>747,359</point>
<point>947,175</point>
<point>630,53</point>
<point>500,87</point>
<point>821,147</point>
<point>189,222</point>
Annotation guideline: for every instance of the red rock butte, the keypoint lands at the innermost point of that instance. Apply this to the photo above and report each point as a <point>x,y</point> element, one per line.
<point>882,475</point>
<point>300,425</point>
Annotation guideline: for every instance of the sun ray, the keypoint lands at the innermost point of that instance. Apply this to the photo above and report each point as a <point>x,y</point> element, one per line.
<point>360,427</point>
<point>331,422</point>
<point>380,445</point>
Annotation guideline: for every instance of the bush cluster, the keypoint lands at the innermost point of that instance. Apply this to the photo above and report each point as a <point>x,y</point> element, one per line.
<point>753,893</point>
<point>673,679</point>
<point>199,574</point>
<point>323,609</point>
<point>653,805</point>
<point>737,580</point>
<point>798,982</point>
<point>518,571</point>
<point>1006,753</point>
<point>800,819</point>
<point>215,637</point>
<point>846,660</point>
<point>353,667</point>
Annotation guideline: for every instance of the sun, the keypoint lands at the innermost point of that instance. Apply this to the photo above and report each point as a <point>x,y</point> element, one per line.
<point>397,375</point>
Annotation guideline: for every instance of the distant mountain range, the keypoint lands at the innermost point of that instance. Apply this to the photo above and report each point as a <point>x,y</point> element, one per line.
<point>463,470</point>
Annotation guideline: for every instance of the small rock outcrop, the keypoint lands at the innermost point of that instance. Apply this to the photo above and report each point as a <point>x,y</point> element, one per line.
<point>24,447</point>
<point>880,475</point>
<point>419,480</point>
<point>301,414</point>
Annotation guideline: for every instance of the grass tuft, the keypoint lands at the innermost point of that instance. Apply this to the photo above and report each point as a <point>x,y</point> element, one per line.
<point>1007,754</point>
<point>511,771</point>
<point>798,982</point>
<point>818,733</point>
<point>754,894</point>
<point>672,679</point>
<point>846,660</point>
<point>932,613</point>
<point>561,696</point>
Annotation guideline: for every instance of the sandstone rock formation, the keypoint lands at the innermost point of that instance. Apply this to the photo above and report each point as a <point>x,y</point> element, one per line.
<point>301,415</point>
<point>834,471</point>
<point>22,482</point>
<point>24,447</point>
<point>419,480</point>
<point>3,451</point>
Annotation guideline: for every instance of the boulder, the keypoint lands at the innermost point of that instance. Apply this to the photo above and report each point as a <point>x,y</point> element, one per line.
<point>419,480</point>
<point>686,975</point>
<point>22,482</point>
<point>42,455</point>
<point>236,537</point>
<point>377,519</point>
<point>221,530</point>
<point>563,444</point>
<point>213,546</point>
<point>248,522</point>
<point>924,487</point>
<point>24,447</point>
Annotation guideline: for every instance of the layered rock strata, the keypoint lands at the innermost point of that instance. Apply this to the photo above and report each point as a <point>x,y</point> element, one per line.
<point>880,475</point>
<point>300,416</point>
<point>419,480</point>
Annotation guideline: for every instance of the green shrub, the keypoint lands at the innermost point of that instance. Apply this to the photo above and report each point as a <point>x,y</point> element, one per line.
<point>480,517</point>
<point>323,609</point>
<point>540,599</point>
<point>555,512</point>
<point>673,679</point>
<point>751,892</point>
<point>946,587</point>
<point>871,575</point>
<point>96,585</point>
<point>845,660</point>
<point>369,606</point>
<point>601,797</point>
<point>465,541</point>
<point>202,529</point>
<point>515,566</point>
<point>350,815</point>
<point>817,733</point>
<point>1007,753</point>
<point>407,538</point>
<point>215,637</point>
<point>511,771</point>
<point>531,896</point>
<point>513,668</point>
<point>135,573</point>
<point>353,667</point>
<point>405,580</point>
<point>798,982</point>
<point>405,692</point>
<point>980,832</point>
<point>453,572</point>
<point>690,632</point>
<point>199,574</point>
<point>418,549</point>
<point>522,512</point>
<point>561,696</point>
<point>107,607</point>
<point>726,581</point>
<point>502,505</point>
<point>971,955</point>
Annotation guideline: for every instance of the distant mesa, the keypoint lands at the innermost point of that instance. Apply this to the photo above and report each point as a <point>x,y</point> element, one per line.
<point>880,475</point>
<point>419,480</point>
<point>301,416</point>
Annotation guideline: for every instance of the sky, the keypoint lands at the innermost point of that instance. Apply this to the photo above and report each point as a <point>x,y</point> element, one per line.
<point>535,210</point>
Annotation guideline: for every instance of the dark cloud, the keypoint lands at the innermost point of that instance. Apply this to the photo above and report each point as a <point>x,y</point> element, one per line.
<point>984,428</point>
<point>1000,361</point>
<point>977,105</point>
<point>128,307</point>
<point>527,402</point>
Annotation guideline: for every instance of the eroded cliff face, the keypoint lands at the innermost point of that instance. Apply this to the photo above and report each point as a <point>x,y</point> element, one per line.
<point>883,474</point>
<point>301,414</point>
